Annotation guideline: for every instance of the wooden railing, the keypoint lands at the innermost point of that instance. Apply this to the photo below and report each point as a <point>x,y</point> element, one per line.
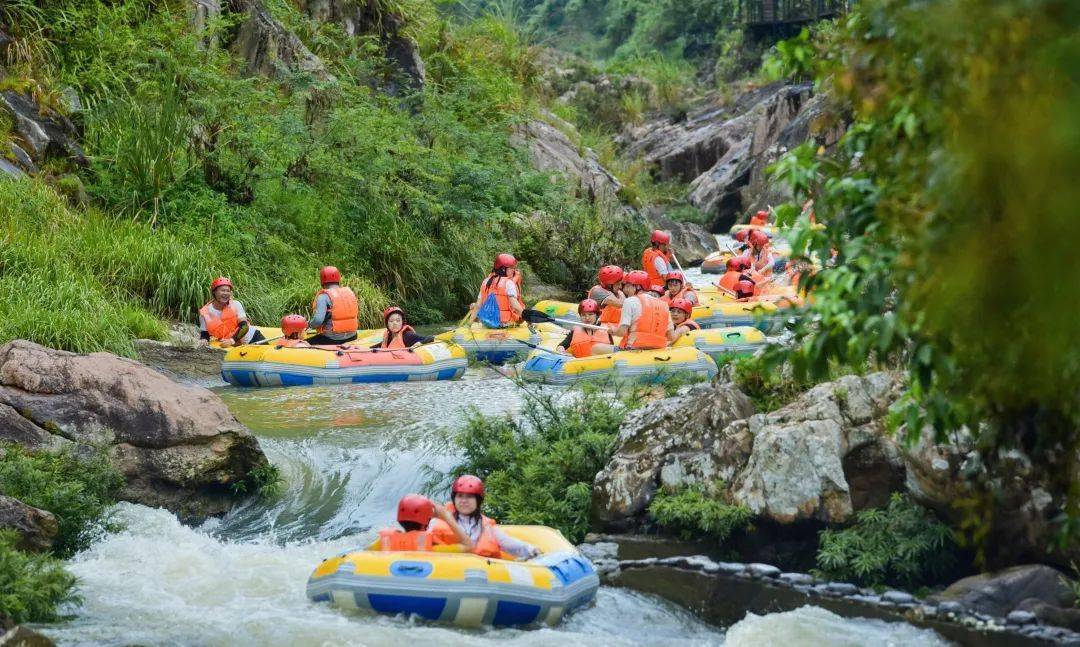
<point>771,12</point>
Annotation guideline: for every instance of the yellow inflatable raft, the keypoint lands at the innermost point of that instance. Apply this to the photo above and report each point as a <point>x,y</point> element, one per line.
<point>719,342</point>
<point>500,345</point>
<point>712,313</point>
<point>628,365</point>
<point>462,588</point>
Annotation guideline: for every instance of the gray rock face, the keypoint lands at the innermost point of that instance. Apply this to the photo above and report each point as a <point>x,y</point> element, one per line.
<point>37,528</point>
<point>178,446</point>
<point>1001,592</point>
<point>552,151</point>
<point>181,361</point>
<point>270,49</point>
<point>200,14</point>
<point>671,441</point>
<point>42,133</point>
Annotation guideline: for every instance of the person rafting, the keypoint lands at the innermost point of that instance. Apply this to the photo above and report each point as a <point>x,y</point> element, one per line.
<point>499,303</point>
<point>399,334</point>
<point>223,319</point>
<point>759,219</point>
<point>645,322</point>
<point>681,311</point>
<point>760,253</point>
<point>656,290</point>
<point>415,513</point>
<point>656,259</point>
<point>745,290</point>
<point>583,342</point>
<point>485,538</point>
<point>737,269</point>
<point>675,287</point>
<point>608,293</point>
<point>334,310</point>
<point>292,331</point>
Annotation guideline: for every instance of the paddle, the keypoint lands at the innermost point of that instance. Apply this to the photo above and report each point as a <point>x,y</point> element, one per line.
<point>535,316</point>
<point>538,347</point>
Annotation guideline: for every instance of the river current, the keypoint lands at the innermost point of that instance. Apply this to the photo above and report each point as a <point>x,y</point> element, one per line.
<point>346,455</point>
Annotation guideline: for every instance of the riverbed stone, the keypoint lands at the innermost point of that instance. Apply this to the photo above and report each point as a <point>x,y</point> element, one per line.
<point>843,588</point>
<point>998,593</point>
<point>178,446</point>
<point>898,597</point>
<point>797,578</point>
<point>21,636</point>
<point>1020,618</point>
<point>37,528</point>
<point>763,570</point>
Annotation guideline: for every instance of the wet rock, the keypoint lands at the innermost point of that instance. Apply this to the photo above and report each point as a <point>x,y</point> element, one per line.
<point>797,578</point>
<point>42,132</point>
<point>763,570</point>
<point>951,606</point>
<point>600,550</point>
<point>1020,618</point>
<point>999,593</point>
<point>730,568</point>
<point>842,588</point>
<point>178,446</point>
<point>268,48</point>
<point>550,150</point>
<point>695,426</point>
<point>898,597</point>
<point>20,636</point>
<point>179,360</point>
<point>1052,615</point>
<point>37,528</point>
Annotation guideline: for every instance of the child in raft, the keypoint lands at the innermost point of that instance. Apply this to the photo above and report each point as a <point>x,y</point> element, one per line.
<point>292,331</point>
<point>415,513</point>
<point>398,333</point>
<point>681,310</point>
<point>483,534</point>
<point>582,341</point>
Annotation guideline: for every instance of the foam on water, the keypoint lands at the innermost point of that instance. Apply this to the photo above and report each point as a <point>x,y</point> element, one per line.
<point>816,626</point>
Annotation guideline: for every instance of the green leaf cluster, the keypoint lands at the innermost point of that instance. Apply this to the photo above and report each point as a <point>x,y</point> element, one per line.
<point>900,544</point>
<point>696,512</point>
<point>32,587</point>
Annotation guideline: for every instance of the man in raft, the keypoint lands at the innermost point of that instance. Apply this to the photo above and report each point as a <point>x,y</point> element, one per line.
<point>645,322</point>
<point>334,310</point>
<point>656,259</point>
<point>608,293</point>
<point>223,319</point>
<point>499,303</point>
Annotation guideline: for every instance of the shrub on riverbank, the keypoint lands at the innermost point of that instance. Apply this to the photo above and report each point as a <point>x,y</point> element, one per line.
<point>32,586</point>
<point>900,544</point>
<point>539,468</point>
<point>698,513</point>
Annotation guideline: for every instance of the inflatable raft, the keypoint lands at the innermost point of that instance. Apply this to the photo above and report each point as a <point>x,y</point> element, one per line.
<point>714,312</point>
<point>500,345</point>
<point>720,342</point>
<point>628,365</point>
<point>271,365</point>
<point>462,588</point>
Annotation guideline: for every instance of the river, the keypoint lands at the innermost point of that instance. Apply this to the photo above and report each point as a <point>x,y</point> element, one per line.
<point>346,455</point>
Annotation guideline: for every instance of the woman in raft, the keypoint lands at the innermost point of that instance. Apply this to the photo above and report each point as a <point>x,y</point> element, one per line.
<point>582,341</point>
<point>414,514</point>
<point>681,309</point>
<point>485,538</point>
<point>399,334</point>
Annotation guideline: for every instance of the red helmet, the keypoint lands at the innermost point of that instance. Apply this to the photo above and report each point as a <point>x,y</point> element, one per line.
<point>741,235</point>
<point>758,238</point>
<point>391,310</point>
<point>637,278</point>
<point>588,305</point>
<point>661,237</point>
<point>329,274</point>
<point>505,260</point>
<point>744,289</point>
<point>467,484</point>
<point>657,288</point>
<point>218,282</point>
<point>416,508</point>
<point>610,274</point>
<point>292,324</point>
<point>738,263</point>
<point>684,305</point>
<point>675,276</point>
<point>761,216</point>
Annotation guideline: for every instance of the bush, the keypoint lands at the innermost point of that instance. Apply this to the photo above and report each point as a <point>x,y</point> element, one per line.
<point>32,587</point>
<point>539,468</point>
<point>695,513</point>
<point>900,544</point>
<point>77,490</point>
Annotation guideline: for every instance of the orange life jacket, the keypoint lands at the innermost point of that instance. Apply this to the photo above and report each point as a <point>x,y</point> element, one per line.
<point>691,324</point>
<point>291,343</point>
<point>583,340</point>
<point>222,326</point>
<point>486,546</point>
<point>397,341</point>
<point>495,284</point>
<point>757,221</point>
<point>650,330</point>
<point>681,295</point>
<point>402,540</point>
<point>729,279</point>
<point>763,260</point>
<point>608,314</point>
<point>648,260</point>
<point>344,310</point>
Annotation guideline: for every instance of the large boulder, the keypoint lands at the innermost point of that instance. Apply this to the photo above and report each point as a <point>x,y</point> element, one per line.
<point>676,435</point>
<point>269,48</point>
<point>177,446</point>
<point>551,150</point>
<point>42,133</point>
<point>1003,591</point>
<point>36,528</point>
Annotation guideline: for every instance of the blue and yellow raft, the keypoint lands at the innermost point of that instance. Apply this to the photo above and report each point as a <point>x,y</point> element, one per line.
<point>462,588</point>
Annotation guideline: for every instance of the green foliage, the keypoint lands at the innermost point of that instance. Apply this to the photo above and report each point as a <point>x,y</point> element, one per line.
<point>32,587</point>
<point>539,468</point>
<point>265,481</point>
<point>77,490</point>
<point>1074,583</point>
<point>900,544</point>
<point>769,385</point>
<point>949,197</point>
<point>698,513</point>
